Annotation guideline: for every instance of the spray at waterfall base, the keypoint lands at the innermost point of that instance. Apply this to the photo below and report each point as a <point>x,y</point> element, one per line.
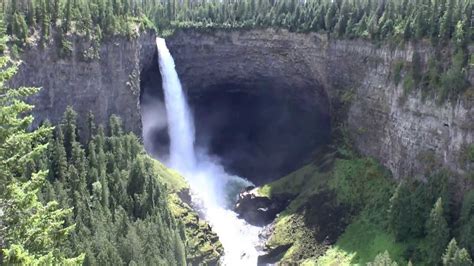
<point>212,188</point>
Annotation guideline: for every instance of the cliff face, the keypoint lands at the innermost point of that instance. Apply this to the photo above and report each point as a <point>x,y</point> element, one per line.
<point>106,86</point>
<point>349,80</point>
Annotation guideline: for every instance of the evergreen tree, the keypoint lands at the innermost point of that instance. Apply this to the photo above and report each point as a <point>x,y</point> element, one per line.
<point>437,233</point>
<point>55,11</point>
<point>466,221</point>
<point>69,129</point>
<point>454,256</point>
<point>330,19</point>
<point>91,127</point>
<point>44,21</point>
<point>58,157</point>
<point>31,14</point>
<point>382,259</point>
<point>115,126</point>
<point>20,29</point>
<point>33,232</point>
<point>460,35</point>
<point>401,213</point>
<point>67,16</point>
<point>446,25</point>
<point>421,18</point>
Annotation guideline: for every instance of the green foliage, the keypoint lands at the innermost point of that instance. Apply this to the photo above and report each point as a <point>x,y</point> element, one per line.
<point>401,220</point>
<point>437,233</point>
<point>453,82</point>
<point>454,256</point>
<point>364,185</point>
<point>32,232</point>
<point>19,29</point>
<point>382,259</point>
<point>400,212</point>
<point>397,72</point>
<point>433,76</point>
<point>120,205</point>
<point>391,19</point>
<point>35,232</point>
<point>408,85</point>
<point>375,240</point>
<point>305,178</point>
<point>466,220</point>
<point>65,46</point>
<point>468,153</point>
<point>202,244</point>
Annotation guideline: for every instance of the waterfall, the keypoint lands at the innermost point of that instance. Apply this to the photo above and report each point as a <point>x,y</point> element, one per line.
<point>213,189</point>
<point>180,122</point>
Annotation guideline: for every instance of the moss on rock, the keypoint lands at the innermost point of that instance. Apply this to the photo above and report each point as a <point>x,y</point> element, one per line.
<point>202,244</point>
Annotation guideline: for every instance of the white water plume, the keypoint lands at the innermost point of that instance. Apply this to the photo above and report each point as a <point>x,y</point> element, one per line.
<point>213,188</point>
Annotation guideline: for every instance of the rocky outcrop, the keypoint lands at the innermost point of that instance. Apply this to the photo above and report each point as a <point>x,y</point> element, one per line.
<point>202,245</point>
<point>258,210</point>
<point>273,256</point>
<point>106,86</point>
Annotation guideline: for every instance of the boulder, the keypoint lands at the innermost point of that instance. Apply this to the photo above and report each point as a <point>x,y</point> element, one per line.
<point>256,209</point>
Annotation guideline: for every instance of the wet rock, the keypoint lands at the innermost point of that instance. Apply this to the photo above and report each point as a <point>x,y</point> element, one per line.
<point>256,209</point>
<point>273,255</point>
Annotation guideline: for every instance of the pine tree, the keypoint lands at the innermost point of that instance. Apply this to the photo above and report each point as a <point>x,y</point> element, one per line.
<point>466,221</point>
<point>91,127</point>
<point>31,14</point>
<point>434,27</point>
<point>454,256</point>
<point>55,11</point>
<point>33,232</point>
<point>69,128</point>
<point>115,126</point>
<point>20,29</point>
<point>330,18</point>
<point>67,17</point>
<point>460,35</point>
<point>400,212</point>
<point>44,21</point>
<point>437,233</point>
<point>446,25</point>
<point>383,259</point>
<point>180,253</point>
<point>58,157</point>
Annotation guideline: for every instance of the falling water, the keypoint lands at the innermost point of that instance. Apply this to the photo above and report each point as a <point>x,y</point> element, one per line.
<point>181,126</point>
<point>212,187</point>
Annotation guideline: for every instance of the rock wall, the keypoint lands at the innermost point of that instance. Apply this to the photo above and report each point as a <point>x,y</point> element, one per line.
<point>407,137</point>
<point>349,79</point>
<point>106,86</point>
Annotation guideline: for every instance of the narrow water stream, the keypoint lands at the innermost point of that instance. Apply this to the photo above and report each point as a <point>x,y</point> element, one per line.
<point>212,188</point>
